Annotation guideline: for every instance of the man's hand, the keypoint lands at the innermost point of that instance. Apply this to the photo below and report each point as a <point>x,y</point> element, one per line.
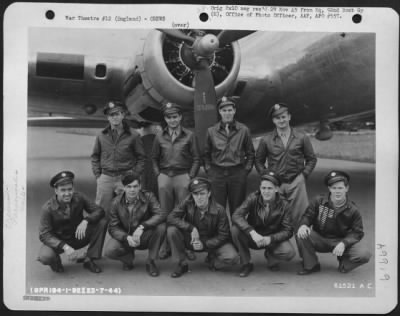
<point>198,245</point>
<point>70,252</point>
<point>267,241</point>
<point>131,243</point>
<point>258,239</point>
<point>137,234</point>
<point>339,249</point>
<point>81,230</point>
<point>303,232</point>
<point>195,235</point>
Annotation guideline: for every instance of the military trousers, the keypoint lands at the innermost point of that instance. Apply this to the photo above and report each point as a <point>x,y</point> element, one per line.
<point>171,191</point>
<point>274,253</point>
<point>151,239</point>
<point>228,185</point>
<point>94,237</point>
<point>352,257</point>
<point>107,188</point>
<point>296,193</point>
<point>225,255</point>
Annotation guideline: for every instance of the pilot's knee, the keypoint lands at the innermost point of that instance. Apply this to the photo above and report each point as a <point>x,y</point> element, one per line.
<point>172,231</point>
<point>47,256</point>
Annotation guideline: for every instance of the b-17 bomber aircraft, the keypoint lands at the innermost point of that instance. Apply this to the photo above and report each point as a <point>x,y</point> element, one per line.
<point>323,77</point>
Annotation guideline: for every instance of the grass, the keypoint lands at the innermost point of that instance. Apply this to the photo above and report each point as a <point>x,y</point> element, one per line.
<point>355,146</point>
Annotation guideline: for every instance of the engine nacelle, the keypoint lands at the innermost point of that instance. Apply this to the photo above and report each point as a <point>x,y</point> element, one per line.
<point>167,77</point>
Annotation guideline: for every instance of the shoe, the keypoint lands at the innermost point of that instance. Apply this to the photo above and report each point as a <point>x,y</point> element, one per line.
<point>180,270</point>
<point>152,269</point>
<point>274,268</point>
<point>246,270</point>
<point>91,266</point>
<point>315,268</point>
<point>57,266</point>
<point>164,255</point>
<point>190,255</point>
<point>127,266</point>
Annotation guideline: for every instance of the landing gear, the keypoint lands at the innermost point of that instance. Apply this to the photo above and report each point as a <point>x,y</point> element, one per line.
<point>324,131</point>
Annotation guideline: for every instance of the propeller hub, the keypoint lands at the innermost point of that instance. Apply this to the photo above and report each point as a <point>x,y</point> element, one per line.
<point>205,46</point>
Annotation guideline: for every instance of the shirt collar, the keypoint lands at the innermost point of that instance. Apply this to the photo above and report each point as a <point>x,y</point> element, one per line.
<point>55,205</point>
<point>180,130</point>
<point>293,133</point>
<point>125,128</point>
<point>327,201</point>
<point>231,125</point>
<point>177,131</point>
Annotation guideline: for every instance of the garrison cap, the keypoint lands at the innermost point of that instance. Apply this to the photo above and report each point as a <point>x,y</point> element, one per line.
<point>114,106</point>
<point>225,101</point>
<point>197,184</point>
<point>171,108</point>
<point>277,109</point>
<point>62,177</point>
<point>336,176</point>
<point>271,176</point>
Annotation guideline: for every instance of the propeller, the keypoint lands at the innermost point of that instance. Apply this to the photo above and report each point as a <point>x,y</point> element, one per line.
<point>204,102</point>
<point>200,56</point>
<point>176,33</point>
<point>229,36</point>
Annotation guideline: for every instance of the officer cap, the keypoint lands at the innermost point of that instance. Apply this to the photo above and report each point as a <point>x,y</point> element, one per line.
<point>129,178</point>
<point>271,176</point>
<point>198,184</point>
<point>171,108</point>
<point>277,109</point>
<point>114,106</point>
<point>336,176</point>
<point>225,101</point>
<point>62,177</point>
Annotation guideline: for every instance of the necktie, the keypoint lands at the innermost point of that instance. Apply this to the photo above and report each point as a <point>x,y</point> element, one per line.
<point>227,129</point>
<point>173,136</point>
<point>67,210</point>
<point>114,134</point>
<point>283,138</point>
<point>264,212</point>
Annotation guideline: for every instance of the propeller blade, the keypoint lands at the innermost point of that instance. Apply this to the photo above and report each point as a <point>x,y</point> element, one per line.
<point>177,34</point>
<point>229,36</point>
<point>205,102</point>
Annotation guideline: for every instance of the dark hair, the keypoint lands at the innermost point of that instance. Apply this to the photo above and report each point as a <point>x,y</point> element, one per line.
<point>129,178</point>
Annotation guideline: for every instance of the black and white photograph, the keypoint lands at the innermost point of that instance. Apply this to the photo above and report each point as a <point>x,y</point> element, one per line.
<point>201,166</point>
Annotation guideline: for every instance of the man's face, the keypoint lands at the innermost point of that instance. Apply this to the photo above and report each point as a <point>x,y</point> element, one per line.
<point>282,121</point>
<point>173,120</point>
<point>227,113</point>
<point>64,192</point>
<point>115,118</point>
<point>268,190</point>
<point>201,198</point>
<point>338,191</point>
<point>132,190</point>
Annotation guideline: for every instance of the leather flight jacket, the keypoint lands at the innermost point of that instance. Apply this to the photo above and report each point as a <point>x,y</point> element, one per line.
<point>217,221</point>
<point>56,225</point>
<point>177,157</point>
<point>277,225</point>
<point>347,219</point>
<point>226,151</point>
<point>146,212</point>
<point>119,157</point>
<point>288,162</point>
